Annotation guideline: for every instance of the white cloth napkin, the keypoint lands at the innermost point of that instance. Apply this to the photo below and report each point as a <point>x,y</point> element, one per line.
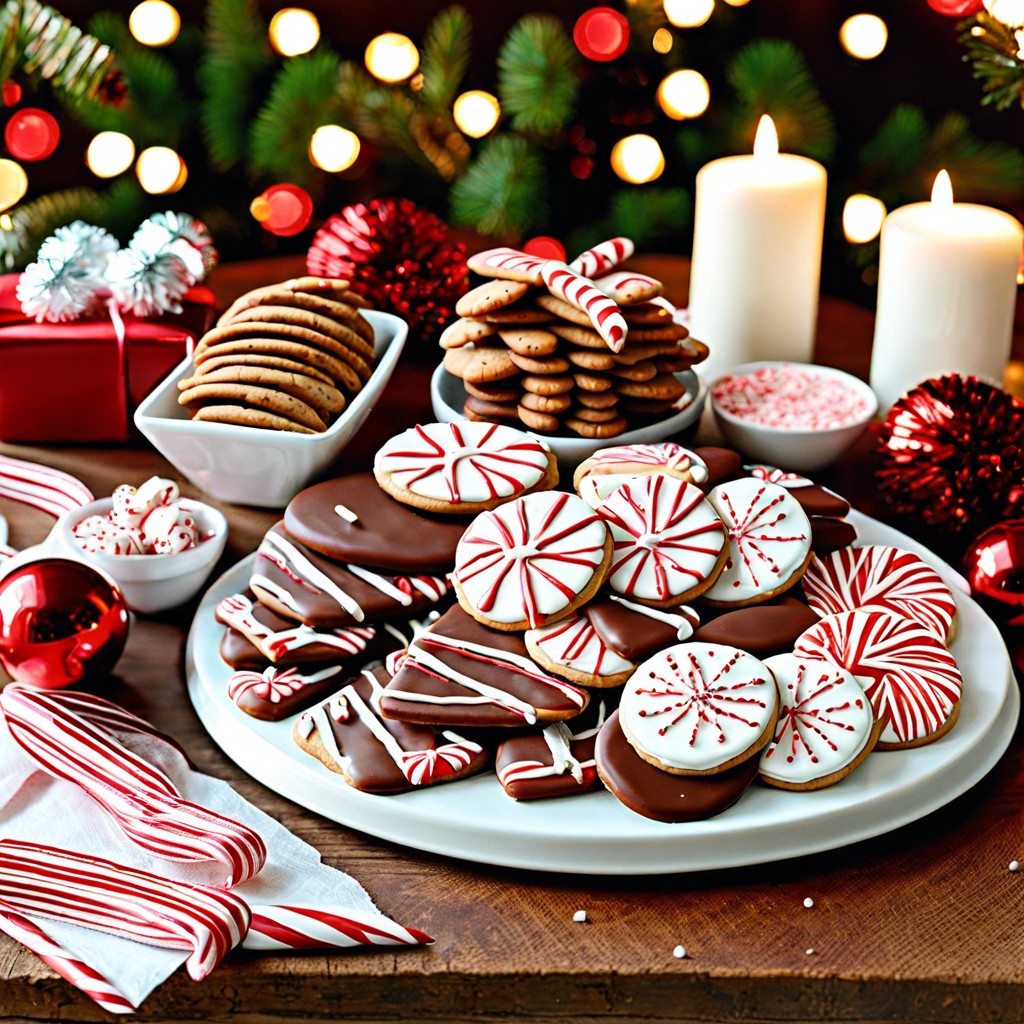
<point>37,808</point>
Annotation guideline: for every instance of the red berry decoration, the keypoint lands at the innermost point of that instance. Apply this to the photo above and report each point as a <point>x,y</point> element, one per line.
<point>994,567</point>
<point>952,454</point>
<point>400,257</point>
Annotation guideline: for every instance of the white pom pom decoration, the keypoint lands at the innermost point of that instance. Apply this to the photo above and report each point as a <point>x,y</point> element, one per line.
<point>144,285</point>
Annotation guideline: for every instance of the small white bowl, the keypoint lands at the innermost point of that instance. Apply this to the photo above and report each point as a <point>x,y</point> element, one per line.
<point>447,396</point>
<point>794,449</point>
<point>250,466</point>
<point>151,583</point>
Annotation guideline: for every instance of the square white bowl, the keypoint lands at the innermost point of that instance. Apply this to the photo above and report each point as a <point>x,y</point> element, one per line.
<point>251,466</point>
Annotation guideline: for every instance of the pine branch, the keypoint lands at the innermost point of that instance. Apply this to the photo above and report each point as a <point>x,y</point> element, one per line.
<point>993,56</point>
<point>502,192</point>
<point>979,169</point>
<point>31,222</point>
<point>537,77</point>
<point>301,99</point>
<point>125,206</point>
<point>231,74</point>
<point>899,145</point>
<point>48,47</point>
<point>643,214</point>
<point>446,52</point>
<point>770,76</point>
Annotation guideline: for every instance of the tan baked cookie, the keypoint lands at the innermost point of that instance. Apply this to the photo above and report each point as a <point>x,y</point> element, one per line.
<point>335,329</point>
<point>465,331</point>
<point>530,341</point>
<point>247,416</point>
<point>325,399</point>
<point>584,337</point>
<point>545,422</point>
<point>596,399</point>
<point>265,399</point>
<point>540,364</point>
<point>546,384</point>
<point>267,361</point>
<point>664,387</point>
<point>330,287</point>
<point>507,390</point>
<point>338,371</point>
<point>562,310</point>
<point>480,364</point>
<point>592,382</point>
<point>590,359</point>
<point>276,296</point>
<point>627,287</point>
<point>553,404</point>
<point>479,410</point>
<point>597,431</point>
<point>490,297</point>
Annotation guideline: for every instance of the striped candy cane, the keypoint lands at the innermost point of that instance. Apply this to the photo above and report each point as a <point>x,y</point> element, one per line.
<point>140,797</point>
<point>41,487</point>
<point>44,881</point>
<point>294,927</point>
<point>99,989</point>
<point>603,257</point>
<point>503,261</point>
<point>578,291</point>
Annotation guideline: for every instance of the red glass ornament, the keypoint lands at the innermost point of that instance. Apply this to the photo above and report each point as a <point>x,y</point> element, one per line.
<point>60,622</point>
<point>290,209</point>
<point>546,248</point>
<point>957,8</point>
<point>31,134</point>
<point>601,34</point>
<point>994,567</point>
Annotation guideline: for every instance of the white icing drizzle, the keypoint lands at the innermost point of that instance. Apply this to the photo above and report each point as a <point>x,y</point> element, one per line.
<point>515,770</point>
<point>558,738</point>
<point>273,684</point>
<point>385,586</point>
<point>685,622</point>
<point>260,582</point>
<point>306,570</point>
<point>778,476</point>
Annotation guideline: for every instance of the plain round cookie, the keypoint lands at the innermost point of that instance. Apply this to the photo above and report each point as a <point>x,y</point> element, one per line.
<point>531,561</point>
<point>464,466</point>
<point>696,709</point>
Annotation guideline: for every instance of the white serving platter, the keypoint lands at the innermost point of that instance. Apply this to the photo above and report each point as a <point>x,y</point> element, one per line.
<point>593,833</point>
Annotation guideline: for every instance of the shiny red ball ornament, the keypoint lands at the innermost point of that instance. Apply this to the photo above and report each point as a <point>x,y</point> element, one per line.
<point>957,8</point>
<point>994,567</point>
<point>61,622</point>
<point>601,34</point>
<point>546,248</point>
<point>398,256</point>
<point>31,134</point>
<point>952,454</point>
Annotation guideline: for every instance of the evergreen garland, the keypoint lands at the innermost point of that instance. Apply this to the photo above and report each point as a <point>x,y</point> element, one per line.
<point>994,53</point>
<point>447,48</point>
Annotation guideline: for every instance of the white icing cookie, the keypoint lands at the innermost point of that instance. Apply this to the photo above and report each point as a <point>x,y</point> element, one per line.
<point>574,646</point>
<point>877,576</point>
<point>825,725</point>
<point>769,541</point>
<point>463,465</point>
<point>913,682</point>
<point>669,541</point>
<point>609,468</point>
<point>699,708</point>
<point>531,561</point>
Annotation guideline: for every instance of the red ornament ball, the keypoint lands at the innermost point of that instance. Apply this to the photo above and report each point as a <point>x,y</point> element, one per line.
<point>546,248</point>
<point>398,256</point>
<point>952,454</point>
<point>994,567</point>
<point>601,34</point>
<point>957,8</point>
<point>283,209</point>
<point>61,622</point>
<point>31,134</point>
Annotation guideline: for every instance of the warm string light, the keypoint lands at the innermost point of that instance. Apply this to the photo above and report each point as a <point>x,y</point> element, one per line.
<point>294,30</point>
<point>110,154</point>
<point>737,3</point>
<point>13,183</point>
<point>662,41</point>
<point>154,23</point>
<point>333,148</point>
<point>392,57</point>
<point>601,34</point>
<point>638,159</point>
<point>1009,12</point>
<point>684,94</point>
<point>160,170</point>
<point>688,13</point>
<point>864,36</point>
<point>862,218</point>
<point>31,134</point>
<point>476,113</point>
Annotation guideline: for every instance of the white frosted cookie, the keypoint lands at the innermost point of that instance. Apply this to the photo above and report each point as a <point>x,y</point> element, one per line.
<point>463,466</point>
<point>697,709</point>
<point>825,729</point>
<point>531,561</point>
<point>670,544</point>
<point>595,478</point>
<point>769,541</point>
<point>575,650</point>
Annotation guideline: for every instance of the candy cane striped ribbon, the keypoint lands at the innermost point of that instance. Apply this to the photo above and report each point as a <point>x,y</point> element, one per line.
<point>290,927</point>
<point>99,989</point>
<point>603,257</point>
<point>41,487</point>
<point>140,797</point>
<point>44,881</point>
<point>604,314</point>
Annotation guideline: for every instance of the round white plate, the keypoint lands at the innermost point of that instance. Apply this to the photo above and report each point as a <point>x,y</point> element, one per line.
<point>593,833</point>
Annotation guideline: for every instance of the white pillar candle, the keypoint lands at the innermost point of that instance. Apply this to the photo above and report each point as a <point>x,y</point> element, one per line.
<point>758,228</point>
<point>947,285</point>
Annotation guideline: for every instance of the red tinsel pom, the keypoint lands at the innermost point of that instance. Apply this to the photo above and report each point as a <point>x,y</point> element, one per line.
<point>953,454</point>
<point>398,256</point>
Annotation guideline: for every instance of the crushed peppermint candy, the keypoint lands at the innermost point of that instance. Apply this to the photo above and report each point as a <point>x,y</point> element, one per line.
<point>790,397</point>
<point>1014,865</point>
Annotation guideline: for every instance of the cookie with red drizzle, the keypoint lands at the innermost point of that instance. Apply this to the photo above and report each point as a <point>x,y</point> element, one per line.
<point>595,478</point>
<point>274,693</point>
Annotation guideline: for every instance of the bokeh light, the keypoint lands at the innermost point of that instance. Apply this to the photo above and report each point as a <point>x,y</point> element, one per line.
<point>638,159</point>
<point>476,113</point>
<point>283,209</point>
<point>294,30</point>
<point>601,34</point>
<point>31,134</point>
<point>10,93</point>
<point>688,13</point>
<point>392,57</point>
<point>662,41</point>
<point>1009,12</point>
<point>154,23</point>
<point>864,36</point>
<point>333,148</point>
<point>160,170</point>
<point>862,218</point>
<point>13,183</point>
<point>110,154</point>
<point>684,94</point>
<point>545,247</point>
<point>737,3</point>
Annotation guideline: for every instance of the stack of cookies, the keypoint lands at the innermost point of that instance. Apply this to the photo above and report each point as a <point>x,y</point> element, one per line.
<point>287,356</point>
<point>582,347</point>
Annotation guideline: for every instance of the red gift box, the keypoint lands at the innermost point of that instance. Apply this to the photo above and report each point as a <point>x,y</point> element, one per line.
<point>80,381</point>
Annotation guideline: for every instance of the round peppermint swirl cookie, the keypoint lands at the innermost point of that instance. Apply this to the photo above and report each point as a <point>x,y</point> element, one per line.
<point>670,544</point>
<point>912,681</point>
<point>825,729</point>
<point>463,466</point>
<point>574,649</point>
<point>877,576</point>
<point>531,561</point>
<point>769,542</point>
<point>595,478</point>
<point>699,708</point>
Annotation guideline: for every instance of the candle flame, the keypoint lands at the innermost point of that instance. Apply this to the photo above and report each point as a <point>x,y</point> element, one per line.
<point>766,141</point>
<point>942,190</point>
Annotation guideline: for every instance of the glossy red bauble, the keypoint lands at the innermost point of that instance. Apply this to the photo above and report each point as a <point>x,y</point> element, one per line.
<point>957,8</point>
<point>61,622</point>
<point>994,566</point>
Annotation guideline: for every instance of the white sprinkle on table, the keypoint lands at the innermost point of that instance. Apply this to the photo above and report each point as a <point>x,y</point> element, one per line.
<point>580,917</point>
<point>346,513</point>
<point>808,902</point>
<point>1014,865</point>
<point>679,952</point>
<point>810,952</point>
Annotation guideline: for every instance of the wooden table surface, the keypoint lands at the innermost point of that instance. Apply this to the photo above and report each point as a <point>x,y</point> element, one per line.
<point>922,924</point>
